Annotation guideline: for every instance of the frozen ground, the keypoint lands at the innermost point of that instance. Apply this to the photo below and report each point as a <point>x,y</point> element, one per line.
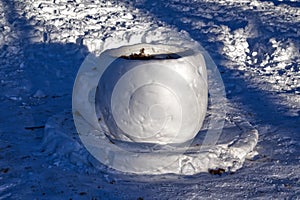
<point>42,44</point>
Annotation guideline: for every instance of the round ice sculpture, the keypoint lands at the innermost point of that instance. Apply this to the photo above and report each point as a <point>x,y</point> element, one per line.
<point>131,104</point>
<point>152,93</point>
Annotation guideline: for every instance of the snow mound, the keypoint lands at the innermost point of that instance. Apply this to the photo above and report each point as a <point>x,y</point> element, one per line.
<point>236,144</point>
<point>222,149</point>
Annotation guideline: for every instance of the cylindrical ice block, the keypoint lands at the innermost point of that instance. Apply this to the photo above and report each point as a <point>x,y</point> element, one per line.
<point>153,94</point>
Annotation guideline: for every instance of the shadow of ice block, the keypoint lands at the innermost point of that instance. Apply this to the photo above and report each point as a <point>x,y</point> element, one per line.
<point>152,93</point>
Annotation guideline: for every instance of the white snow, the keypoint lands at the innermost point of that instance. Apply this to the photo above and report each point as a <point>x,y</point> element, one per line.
<point>255,45</point>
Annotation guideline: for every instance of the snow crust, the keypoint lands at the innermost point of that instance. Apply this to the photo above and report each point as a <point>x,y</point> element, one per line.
<point>255,45</point>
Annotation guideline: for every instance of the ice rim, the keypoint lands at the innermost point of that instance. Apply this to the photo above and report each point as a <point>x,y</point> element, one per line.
<point>162,159</point>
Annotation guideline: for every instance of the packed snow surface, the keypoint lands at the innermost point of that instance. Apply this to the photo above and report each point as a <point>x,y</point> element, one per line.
<point>255,45</point>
